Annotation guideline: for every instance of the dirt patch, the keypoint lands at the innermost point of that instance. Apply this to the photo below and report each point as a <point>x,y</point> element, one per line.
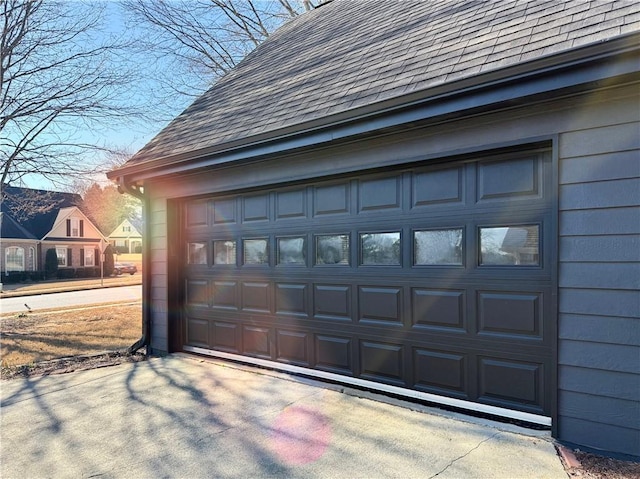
<point>71,364</point>
<point>595,466</point>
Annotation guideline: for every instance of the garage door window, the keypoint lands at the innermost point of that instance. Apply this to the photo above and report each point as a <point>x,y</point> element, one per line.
<point>332,249</point>
<point>197,253</point>
<point>438,247</point>
<point>224,252</point>
<point>380,248</point>
<point>291,250</point>
<point>510,245</point>
<point>256,251</point>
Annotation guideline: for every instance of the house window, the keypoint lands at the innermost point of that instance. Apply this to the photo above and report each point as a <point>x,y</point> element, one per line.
<point>61,252</point>
<point>89,256</point>
<point>75,227</point>
<point>32,259</point>
<point>14,259</point>
<point>126,229</point>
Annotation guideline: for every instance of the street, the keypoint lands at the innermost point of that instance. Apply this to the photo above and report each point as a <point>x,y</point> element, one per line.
<point>70,299</point>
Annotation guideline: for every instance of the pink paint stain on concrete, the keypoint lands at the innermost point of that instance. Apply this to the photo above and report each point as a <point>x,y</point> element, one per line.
<point>300,435</point>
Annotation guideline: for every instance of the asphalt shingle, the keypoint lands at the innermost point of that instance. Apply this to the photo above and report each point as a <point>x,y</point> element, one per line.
<point>352,53</point>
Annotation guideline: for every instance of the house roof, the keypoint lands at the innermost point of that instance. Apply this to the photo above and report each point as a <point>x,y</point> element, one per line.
<point>42,207</point>
<point>9,228</point>
<point>348,54</point>
<point>118,233</point>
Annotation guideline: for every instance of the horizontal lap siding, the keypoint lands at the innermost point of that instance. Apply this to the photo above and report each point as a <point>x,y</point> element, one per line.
<point>599,286</point>
<point>158,249</point>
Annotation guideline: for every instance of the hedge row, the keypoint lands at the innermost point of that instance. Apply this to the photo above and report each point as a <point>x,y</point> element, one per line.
<point>13,277</point>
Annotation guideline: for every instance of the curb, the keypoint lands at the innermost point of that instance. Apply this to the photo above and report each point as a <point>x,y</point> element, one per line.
<point>569,459</point>
<point>17,294</point>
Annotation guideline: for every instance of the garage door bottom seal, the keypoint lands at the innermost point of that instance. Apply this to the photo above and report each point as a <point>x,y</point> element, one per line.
<point>525,417</point>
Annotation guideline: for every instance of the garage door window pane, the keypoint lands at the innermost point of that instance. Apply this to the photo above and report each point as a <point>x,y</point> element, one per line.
<point>332,249</point>
<point>438,247</point>
<point>291,250</point>
<point>197,253</point>
<point>255,251</point>
<point>510,245</point>
<point>224,252</point>
<point>380,248</point>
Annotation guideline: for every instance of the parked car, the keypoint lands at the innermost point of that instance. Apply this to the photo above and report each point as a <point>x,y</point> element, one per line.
<point>120,268</point>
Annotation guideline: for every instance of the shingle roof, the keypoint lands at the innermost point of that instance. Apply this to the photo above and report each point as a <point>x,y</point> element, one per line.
<point>45,206</point>
<point>353,53</point>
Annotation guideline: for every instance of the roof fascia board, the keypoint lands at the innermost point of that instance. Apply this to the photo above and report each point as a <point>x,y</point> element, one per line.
<point>584,66</point>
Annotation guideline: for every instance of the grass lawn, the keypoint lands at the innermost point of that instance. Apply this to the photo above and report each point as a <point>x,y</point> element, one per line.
<point>30,338</point>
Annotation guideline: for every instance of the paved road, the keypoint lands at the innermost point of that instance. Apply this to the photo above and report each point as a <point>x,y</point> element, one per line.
<point>72,298</point>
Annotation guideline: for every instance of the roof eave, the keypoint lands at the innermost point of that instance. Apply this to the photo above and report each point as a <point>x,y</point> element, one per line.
<point>578,66</point>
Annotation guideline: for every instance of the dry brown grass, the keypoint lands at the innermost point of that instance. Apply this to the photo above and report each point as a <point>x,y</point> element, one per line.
<point>28,338</point>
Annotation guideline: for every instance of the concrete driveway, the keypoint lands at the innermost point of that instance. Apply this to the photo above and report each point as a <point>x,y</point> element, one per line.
<point>182,416</point>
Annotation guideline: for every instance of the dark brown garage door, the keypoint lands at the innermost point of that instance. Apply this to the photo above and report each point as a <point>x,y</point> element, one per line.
<point>436,279</point>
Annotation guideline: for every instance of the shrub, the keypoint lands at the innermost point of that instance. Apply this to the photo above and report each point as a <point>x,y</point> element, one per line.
<point>66,273</point>
<point>108,261</point>
<point>51,263</point>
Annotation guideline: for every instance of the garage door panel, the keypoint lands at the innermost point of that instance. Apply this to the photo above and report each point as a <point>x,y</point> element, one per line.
<point>197,331</point>
<point>382,362</point>
<point>439,371</point>
<point>256,341</point>
<point>292,299</point>
<point>331,199</point>
<point>197,293</point>
<point>430,188</point>
<point>380,193</point>
<point>380,305</point>
<point>511,383</point>
<point>332,301</point>
<point>255,208</point>
<point>256,296</point>
<point>510,313</point>
<point>509,178</point>
<point>293,347</point>
<point>334,353</point>
<point>226,336</point>
<point>225,295</point>
<point>224,211</point>
<point>291,204</point>
<point>438,308</point>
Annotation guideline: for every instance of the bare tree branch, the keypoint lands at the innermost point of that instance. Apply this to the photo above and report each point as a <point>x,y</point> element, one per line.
<point>199,41</point>
<point>59,74</point>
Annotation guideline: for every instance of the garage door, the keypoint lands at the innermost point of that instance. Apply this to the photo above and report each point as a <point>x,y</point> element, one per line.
<point>433,280</point>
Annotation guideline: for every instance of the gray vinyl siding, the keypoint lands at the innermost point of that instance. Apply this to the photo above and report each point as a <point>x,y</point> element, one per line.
<point>599,285</point>
<point>159,306</point>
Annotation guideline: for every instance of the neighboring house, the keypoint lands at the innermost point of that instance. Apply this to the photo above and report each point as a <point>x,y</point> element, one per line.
<point>126,238</point>
<point>59,225</point>
<point>439,200</point>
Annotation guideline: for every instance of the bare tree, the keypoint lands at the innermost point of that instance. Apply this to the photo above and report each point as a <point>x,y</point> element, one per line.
<point>60,76</point>
<point>195,42</point>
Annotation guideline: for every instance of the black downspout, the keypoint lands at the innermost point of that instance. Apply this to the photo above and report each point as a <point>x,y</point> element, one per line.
<point>146,270</point>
